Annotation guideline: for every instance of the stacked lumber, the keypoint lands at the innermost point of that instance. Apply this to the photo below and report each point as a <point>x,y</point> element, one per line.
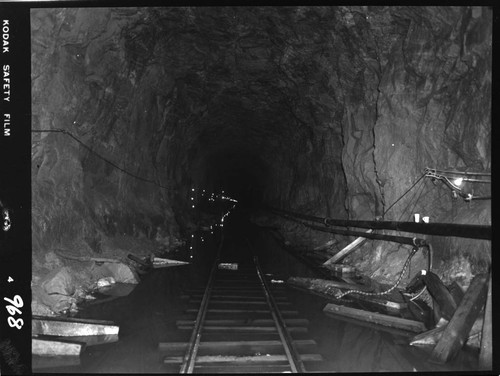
<point>341,312</point>
<point>60,341</point>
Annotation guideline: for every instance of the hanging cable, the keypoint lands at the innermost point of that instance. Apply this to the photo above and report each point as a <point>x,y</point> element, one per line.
<point>412,210</point>
<point>411,201</point>
<point>412,253</point>
<point>404,194</point>
<point>64,131</point>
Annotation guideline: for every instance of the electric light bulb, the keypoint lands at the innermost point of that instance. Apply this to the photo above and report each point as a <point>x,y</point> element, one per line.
<point>458,181</point>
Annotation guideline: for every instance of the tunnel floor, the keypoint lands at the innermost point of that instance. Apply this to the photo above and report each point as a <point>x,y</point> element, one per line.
<point>147,316</point>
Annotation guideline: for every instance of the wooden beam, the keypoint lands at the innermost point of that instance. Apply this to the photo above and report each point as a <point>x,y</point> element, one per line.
<point>486,351</point>
<point>238,368</point>
<point>234,359</point>
<point>243,311</point>
<point>224,346</point>
<point>347,250</point>
<point>457,330</point>
<point>245,321</point>
<point>440,294</point>
<point>243,328</point>
<point>241,302</point>
<point>227,296</point>
<point>374,317</point>
<point>72,327</point>
<point>53,347</point>
<point>94,340</point>
<point>428,338</point>
<point>432,337</point>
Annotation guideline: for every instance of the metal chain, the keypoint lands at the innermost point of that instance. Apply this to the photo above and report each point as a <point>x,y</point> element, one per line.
<point>412,253</point>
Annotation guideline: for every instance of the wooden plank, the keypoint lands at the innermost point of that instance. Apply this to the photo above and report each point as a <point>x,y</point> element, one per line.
<point>248,368</point>
<point>428,338</point>
<point>457,330</point>
<point>486,351</point>
<point>73,319</point>
<point>165,263</point>
<point>238,281</point>
<point>440,294</point>
<point>245,311</point>
<point>432,337</point>
<point>240,297</point>
<point>380,328</point>
<point>234,359</point>
<point>241,302</point>
<point>243,328</point>
<point>376,318</point>
<point>57,327</point>
<point>221,346</point>
<point>235,292</point>
<point>52,347</point>
<point>227,291</point>
<point>246,321</point>
<point>94,340</point>
<point>347,250</point>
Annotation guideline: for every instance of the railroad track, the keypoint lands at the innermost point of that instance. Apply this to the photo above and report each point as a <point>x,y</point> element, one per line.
<point>240,322</point>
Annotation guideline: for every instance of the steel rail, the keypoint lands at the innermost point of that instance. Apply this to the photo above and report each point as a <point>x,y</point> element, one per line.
<point>296,363</point>
<point>189,358</point>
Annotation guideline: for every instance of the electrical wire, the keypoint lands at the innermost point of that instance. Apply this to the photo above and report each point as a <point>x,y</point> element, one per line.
<point>404,194</point>
<point>412,253</point>
<point>418,199</point>
<point>411,201</point>
<point>64,131</point>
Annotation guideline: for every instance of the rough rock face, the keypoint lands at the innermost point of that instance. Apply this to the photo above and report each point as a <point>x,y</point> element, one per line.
<point>332,111</point>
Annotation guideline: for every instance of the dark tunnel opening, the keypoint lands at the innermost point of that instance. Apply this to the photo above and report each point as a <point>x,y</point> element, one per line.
<point>242,176</point>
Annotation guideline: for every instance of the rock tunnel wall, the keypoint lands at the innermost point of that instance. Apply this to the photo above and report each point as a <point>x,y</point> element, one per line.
<point>340,109</point>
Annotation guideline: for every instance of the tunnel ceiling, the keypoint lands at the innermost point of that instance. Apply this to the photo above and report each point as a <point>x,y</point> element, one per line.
<point>331,111</point>
<point>248,71</point>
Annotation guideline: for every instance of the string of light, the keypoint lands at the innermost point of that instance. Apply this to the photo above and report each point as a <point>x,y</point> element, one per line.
<point>212,198</point>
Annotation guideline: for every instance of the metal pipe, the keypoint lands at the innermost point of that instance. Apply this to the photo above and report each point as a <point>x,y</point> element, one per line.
<point>392,238</point>
<point>440,229</point>
<point>462,173</point>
